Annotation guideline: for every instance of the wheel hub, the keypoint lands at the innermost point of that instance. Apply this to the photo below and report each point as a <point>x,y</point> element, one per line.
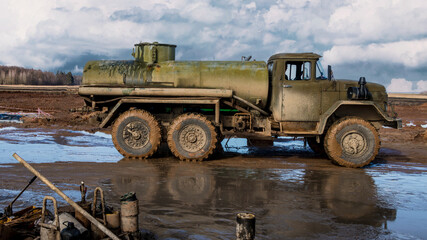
<point>192,138</point>
<point>354,143</point>
<point>136,134</point>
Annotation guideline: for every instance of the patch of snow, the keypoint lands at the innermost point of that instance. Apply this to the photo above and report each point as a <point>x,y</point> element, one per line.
<point>97,134</point>
<point>7,129</point>
<point>410,124</point>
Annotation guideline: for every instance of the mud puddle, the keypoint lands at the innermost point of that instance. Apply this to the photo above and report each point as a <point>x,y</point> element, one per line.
<point>293,193</point>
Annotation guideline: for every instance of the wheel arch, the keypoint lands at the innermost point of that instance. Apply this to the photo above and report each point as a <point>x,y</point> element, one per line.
<point>366,110</point>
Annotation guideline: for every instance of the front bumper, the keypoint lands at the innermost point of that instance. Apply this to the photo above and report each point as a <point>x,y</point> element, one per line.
<point>395,123</point>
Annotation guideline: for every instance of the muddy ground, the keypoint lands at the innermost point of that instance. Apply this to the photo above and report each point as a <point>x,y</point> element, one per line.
<point>293,192</point>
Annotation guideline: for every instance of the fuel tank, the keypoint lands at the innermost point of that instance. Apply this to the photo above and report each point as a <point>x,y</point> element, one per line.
<point>155,67</point>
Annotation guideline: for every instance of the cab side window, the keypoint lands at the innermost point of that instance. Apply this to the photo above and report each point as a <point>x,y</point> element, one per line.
<point>298,70</point>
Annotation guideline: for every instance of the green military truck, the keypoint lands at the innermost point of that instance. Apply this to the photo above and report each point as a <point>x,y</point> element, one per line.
<point>193,105</point>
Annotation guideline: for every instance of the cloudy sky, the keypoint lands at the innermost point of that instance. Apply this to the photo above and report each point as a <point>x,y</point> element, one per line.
<point>383,40</point>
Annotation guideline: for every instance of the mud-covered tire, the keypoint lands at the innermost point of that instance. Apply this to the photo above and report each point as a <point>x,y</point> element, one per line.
<point>192,137</point>
<point>352,142</point>
<point>318,148</point>
<point>136,134</point>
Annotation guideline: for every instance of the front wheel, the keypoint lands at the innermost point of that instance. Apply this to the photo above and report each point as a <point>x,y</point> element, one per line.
<point>136,134</point>
<point>352,142</point>
<point>192,137</point>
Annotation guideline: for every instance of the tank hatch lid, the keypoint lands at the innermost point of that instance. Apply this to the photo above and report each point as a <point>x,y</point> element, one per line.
<point>295,56</point>
<point>154,43</point>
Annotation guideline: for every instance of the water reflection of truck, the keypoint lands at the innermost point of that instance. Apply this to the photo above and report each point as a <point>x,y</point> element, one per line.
<point>294,199</point>
<point>194,104</point>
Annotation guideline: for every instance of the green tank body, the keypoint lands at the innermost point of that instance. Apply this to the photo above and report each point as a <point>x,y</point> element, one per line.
<point>154,67</point>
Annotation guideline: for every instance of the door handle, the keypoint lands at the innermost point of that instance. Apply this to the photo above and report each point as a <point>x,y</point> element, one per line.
<point>287,86</point>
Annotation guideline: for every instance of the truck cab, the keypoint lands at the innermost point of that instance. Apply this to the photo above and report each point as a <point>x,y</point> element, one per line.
<point>305,102</point>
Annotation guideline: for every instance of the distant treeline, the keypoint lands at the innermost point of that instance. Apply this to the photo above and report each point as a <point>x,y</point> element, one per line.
<point>23,76</point>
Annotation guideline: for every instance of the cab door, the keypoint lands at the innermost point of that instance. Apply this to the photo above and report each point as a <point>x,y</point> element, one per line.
<point>301,97</point>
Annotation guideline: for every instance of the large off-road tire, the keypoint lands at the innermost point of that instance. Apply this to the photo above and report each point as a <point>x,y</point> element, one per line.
<point>352,142</point>
<point>192,137</point>
<point>318,148</point>
<point>136,134</point>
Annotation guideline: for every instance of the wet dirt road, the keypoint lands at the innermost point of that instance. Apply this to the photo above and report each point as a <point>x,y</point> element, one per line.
<point>293,193</point>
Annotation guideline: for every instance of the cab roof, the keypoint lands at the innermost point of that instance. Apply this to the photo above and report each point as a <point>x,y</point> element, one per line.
<point>295,56</point>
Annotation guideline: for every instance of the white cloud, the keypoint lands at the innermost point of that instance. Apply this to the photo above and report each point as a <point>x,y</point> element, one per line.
<point>19,17</point>
<point>408,53</point>
<point>302,18</point>
<point>269,38</point>
<point>203,12</point>
<point>422,86</point>
<point>364,21</point>
<point>77,70</point>
<point>236,48</point>
<point>287,45</point>
<point>251,6</point>
<point>401,85</point>
<point>275,15</point>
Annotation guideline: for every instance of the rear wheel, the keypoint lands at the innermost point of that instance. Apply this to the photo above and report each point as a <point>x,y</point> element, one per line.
<point>352,142</point>
<point>136,134</point>
<point>192,137</point>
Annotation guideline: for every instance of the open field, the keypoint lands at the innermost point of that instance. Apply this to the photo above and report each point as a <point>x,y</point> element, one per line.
<point>38,88</point>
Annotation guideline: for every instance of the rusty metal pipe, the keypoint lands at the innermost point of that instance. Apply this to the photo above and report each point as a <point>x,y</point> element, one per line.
<point>166,92</point>
<point>66,198</point>
<point>50,231</point>
<point>8,210</point>
<point>95,199</point>
<point>250,105</point>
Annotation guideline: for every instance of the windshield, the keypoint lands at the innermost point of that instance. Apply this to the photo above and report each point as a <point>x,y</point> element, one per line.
<point>320,73</point>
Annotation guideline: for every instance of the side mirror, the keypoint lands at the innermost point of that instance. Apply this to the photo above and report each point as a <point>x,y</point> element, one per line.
<point>330,73</point>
